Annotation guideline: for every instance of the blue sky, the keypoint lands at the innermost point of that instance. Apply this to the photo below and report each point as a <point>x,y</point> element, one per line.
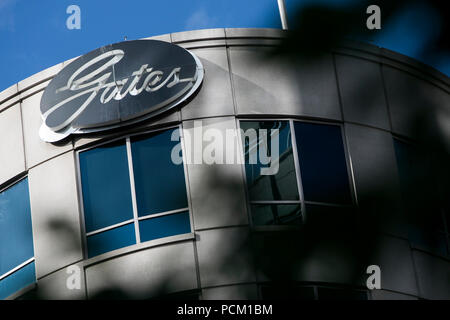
<point>34,36</point>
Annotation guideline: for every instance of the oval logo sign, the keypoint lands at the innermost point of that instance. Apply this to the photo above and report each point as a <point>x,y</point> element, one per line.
<point>117,85</point>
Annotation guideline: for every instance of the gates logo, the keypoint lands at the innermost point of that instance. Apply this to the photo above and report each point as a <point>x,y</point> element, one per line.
<point>118,85</point>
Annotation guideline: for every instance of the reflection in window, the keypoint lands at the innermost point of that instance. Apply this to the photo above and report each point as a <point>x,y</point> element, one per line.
<point>17,269</point>
<point>160,190</point>
<point>273,189</point>
<point>106,186</point>
<point>322,163</point>
<point>166,189</point>
<point>164,226</point>
<point>321,168</point>
<point>281,186</point>
<point>110,240</point>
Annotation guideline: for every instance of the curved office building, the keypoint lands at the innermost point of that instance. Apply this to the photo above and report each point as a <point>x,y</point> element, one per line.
<point>352,197</point>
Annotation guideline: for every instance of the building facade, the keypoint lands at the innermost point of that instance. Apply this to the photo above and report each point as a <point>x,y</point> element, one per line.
<point>112,210</point>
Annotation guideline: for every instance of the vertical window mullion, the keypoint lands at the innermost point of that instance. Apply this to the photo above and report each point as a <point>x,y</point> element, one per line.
<point>81,206</point>
<point>186,177</point>
<point>297,170</point>
<point>241,155</point>
<point>133,191</point>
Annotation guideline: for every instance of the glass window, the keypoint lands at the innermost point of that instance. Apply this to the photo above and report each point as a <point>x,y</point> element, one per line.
<point>106,186</point>
<point>261,140</point>
<point>20,279</point>
<point>164,226</point>
<point>275,198</point>
<point>322,163</point>
<point>16,240</point>
<point>160,184</point>
<point>159,191</point>
<point>111,240</point>
<point>279,186</point>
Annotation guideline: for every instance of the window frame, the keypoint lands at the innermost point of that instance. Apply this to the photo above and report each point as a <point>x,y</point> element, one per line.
<point>30,287</point>
<point>302,202</point>
<point>126,138</point>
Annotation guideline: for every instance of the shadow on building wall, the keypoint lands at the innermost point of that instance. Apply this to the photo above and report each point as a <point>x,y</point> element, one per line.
<point>336,246</point>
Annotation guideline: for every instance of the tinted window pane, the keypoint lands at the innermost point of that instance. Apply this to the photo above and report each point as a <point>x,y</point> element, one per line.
<point>111,240</point>
<point>160,184</point>
<point>279,186</point>
<point>106,186</point>
<point>16,239</point>
<point>322,163</point>
<point>164,226</point>
<point>17,281</point>
<point>273,214</point>
<point>341,294</point>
